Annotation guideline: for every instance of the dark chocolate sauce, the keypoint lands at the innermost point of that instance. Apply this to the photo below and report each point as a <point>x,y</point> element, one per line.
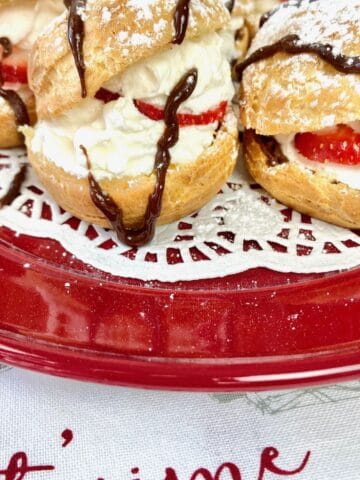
<point>136,237</point>
<point>181,21</point>
<point>270,147</point>
<point>107,96</point>
<point>10,96</point>
<point>76,34</point>
<point>14,188</point>
<point>230,5</point>
<point>17,105</point>
<point>291,44</point>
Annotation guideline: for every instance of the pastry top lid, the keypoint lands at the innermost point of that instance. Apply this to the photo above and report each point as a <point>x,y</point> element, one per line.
<point>296,92</point>
<point>117,35</point>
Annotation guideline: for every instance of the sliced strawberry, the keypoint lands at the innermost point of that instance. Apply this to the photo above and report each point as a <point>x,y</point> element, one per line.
<point>184,119</point>
<point>14,67</point>
<point>340,145</point>
<point>150,111</point>
<point>211,116</point>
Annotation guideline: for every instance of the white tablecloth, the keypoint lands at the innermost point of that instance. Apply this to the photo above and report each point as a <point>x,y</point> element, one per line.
<point>109,431</point>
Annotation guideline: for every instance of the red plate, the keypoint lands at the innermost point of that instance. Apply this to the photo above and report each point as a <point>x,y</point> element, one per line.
<point>252,331</point>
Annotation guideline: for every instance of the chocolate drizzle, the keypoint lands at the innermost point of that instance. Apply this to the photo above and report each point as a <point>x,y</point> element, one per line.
<point>270,147</point>
<point>136,237</point>
<point>17,105</point>
<point>292,44</point>
<point>107,96</point>
<point>181,21</point>
<point>10,96</point>
<point>14,188</point>
<point>76,34</point>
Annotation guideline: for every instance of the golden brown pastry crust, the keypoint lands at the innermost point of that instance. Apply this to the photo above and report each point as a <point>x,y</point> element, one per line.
<point>298,93</point>
<point>300,108</point>
<point>9,135</point>
<point>187,188</point>
<point>105,54</point>
<point>311,192</point>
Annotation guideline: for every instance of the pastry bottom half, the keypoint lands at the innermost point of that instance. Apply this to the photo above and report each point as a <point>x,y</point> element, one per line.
<point>188,187</point>
<point>307,191</point>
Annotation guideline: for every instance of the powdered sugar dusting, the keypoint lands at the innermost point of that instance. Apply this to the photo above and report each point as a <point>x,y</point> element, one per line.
<point>105,15</point>
<point>302,76</point>
<point>143,10</point>
<point>143,7</point>
<point>149,9</point>
<point>324,21</point>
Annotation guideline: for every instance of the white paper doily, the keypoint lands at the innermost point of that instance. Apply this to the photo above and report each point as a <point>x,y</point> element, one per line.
<point>241,228</point>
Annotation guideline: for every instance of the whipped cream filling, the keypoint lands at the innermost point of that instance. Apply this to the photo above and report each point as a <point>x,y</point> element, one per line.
<point>153,78</point>
<point>22,21</point>
<point>348,174</point>
<point>122,141</point>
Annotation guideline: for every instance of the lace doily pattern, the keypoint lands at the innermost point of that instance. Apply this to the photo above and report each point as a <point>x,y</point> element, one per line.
<point>241,228</point>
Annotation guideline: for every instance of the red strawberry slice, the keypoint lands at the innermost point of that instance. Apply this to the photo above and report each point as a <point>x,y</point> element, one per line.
<point>14,67</point>
<point>340,145</point>
<point>150,111</point>
<point>184,119</point>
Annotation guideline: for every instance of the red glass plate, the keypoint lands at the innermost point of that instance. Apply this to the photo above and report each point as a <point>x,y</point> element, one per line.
<point>255,330</point>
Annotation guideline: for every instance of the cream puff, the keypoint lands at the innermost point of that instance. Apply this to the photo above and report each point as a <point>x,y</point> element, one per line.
<point>301,108</point>
<point>135,123</point>
<point>236,35</point>
<point>20,23</point>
